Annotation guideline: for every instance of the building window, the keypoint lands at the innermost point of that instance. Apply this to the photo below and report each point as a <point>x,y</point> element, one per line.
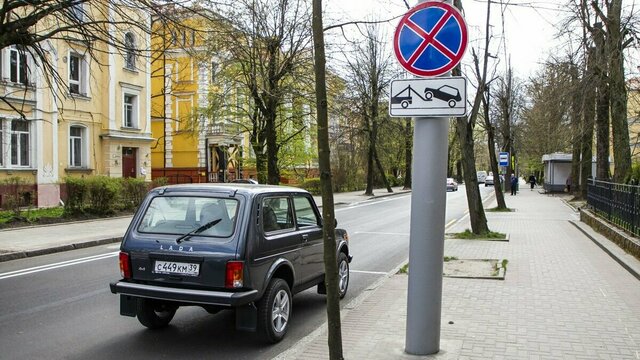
<point>76,146</point>
<point>130,113</point>
<point>130,51</point>
<point>77,11</point>
<point>20,143</point>
<point>18,65</point>
<point>77,74</point>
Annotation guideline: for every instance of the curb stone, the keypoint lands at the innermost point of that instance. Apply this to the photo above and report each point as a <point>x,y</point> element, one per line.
<point>46,251</point>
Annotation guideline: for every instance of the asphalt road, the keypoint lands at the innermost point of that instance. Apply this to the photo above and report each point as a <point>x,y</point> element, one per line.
<point>59,306</point>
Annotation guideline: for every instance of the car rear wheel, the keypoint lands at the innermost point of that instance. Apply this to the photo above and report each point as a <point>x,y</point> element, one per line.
<point>155,314</point>
<point>274,311</point>
<point>343,275</point>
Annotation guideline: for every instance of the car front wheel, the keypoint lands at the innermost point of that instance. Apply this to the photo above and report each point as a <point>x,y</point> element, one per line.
<point>154,314</point>
<point>274,311</point>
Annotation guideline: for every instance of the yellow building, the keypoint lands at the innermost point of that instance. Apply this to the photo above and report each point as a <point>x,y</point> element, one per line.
<point>95,120</point>
<point>190,147</point>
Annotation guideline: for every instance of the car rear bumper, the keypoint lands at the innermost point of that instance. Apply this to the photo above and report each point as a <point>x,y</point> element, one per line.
<point>192,296</point>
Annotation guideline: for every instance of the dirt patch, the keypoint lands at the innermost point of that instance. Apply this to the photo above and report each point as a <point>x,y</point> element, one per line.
<point>475,269</point>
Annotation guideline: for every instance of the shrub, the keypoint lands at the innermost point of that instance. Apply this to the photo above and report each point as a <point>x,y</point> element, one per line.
<point>76,194</point>
<point>16,194</point>
<point>312,185</point>
<point>134,190</point>
<point>103,194</point>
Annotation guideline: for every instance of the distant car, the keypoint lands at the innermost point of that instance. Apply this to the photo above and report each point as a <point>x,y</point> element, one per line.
<point>244,181</point>
<point>482,176</point>
<point>445,93</point>
<point>488,180</point>
<point>452,185</point>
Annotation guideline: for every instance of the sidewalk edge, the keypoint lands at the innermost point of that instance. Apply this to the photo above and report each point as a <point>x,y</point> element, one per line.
<point>60,248</point>
<point>630,268</point>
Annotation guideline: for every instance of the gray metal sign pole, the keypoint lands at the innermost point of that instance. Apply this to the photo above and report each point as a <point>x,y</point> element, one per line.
<point>426,247</point>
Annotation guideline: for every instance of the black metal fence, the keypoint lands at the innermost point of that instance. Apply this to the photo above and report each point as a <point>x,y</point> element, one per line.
<point>618,203</point>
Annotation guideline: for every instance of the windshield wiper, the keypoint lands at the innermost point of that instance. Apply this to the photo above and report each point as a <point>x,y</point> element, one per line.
<point>197,231</point>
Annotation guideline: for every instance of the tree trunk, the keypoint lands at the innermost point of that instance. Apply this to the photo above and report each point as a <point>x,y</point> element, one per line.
<point>588,116</point>
<point>493,161</point>
<point>602,109</point>
<point>618,94</point>
<point>476,210</point>
<point>328,215</point>
<point>576,136</point>
<point>370,160</point>
<point>381,170</point>
<point>273,173</point>
<point>408,144</point>
<point>261,162</point>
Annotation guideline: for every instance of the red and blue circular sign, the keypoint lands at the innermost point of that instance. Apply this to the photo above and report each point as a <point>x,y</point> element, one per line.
<point>430,39</point>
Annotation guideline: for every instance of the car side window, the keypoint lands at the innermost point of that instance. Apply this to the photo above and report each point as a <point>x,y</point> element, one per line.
<point>277,214</point>
<point>305,216</point>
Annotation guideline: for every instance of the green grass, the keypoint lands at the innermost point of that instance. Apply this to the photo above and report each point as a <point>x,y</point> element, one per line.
<point>467,234</point>
<point>31,215</point>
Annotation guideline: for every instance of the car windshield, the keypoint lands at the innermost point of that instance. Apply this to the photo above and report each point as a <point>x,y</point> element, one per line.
<point>182,214</point>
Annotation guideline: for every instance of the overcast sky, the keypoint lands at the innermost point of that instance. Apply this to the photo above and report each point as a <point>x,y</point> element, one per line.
<point>530,26</point>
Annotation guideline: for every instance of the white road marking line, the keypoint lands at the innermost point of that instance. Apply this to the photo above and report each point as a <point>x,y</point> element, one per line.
<point>371,202</point>
<point>368,272</point>
<point>61,264</point>
<point>380,233</point>
<point>603,293</point>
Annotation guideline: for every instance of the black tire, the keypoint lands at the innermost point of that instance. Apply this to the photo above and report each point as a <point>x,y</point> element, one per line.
<point>404,104</point>
<point>428,95</point>
<point>274,311</point>
<point>155,314</point>
<point>343,275</point>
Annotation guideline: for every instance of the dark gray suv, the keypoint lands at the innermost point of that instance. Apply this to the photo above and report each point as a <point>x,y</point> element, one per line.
<point>223,246</point>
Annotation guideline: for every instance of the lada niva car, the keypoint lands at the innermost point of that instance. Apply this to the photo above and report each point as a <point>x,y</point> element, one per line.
<point>225,246</point>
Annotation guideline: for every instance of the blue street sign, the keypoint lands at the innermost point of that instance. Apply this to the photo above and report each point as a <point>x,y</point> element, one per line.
<point>503,159</point>
<point>430,39</point>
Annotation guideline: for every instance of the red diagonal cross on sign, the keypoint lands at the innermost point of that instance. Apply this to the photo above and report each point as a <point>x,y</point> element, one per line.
<point>429,38</point>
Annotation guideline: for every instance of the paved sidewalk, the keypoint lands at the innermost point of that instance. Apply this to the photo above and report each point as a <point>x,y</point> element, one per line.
<point>46,239</point>
<point>563,297</point>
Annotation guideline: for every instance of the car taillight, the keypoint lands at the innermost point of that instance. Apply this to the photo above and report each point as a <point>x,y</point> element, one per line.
<point>233,275</point>
<point>125,265</point>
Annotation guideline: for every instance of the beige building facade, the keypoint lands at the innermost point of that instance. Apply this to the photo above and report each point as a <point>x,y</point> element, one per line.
<point>93,120</point>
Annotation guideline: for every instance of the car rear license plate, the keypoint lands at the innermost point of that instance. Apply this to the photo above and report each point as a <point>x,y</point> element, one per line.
<point>176,268</point>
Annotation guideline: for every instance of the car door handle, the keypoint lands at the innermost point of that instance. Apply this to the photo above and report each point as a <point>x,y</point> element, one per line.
<point>305,237</point>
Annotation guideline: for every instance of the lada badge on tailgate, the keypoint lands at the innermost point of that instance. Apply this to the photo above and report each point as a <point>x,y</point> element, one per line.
<point>176,248</point>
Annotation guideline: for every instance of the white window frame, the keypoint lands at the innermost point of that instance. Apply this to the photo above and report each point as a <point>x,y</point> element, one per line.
<point>20,135</point>
<point>22,66</point>
<point>83,70</point>
<point>135,109</point>
<point>77,11</point>
<point>129,51</point>
<point>82,139</point>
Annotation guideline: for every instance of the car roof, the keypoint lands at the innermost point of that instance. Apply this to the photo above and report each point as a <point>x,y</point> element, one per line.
<point>230,188</point>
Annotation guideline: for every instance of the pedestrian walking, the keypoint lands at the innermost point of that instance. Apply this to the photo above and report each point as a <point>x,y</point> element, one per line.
<point>532,180</point>
<point>514,184</point>
<point>568,183</point>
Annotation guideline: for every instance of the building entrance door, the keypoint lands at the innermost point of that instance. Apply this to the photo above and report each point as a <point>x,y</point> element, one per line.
<point>129,162</point>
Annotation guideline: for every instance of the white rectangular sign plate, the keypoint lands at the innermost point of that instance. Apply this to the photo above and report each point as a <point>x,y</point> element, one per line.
<point>446,96</point>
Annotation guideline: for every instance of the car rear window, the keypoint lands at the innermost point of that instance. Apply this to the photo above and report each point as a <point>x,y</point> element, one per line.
<point>182,214</point>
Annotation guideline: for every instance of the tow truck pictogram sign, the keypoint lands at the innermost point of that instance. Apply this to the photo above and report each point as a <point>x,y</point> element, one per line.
<point>428,97</point>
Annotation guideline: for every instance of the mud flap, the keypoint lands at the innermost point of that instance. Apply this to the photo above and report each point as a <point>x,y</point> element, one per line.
<point>247,317</point>
<point>128,305</point>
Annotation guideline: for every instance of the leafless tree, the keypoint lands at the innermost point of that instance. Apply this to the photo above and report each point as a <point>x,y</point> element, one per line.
<point>369,75</point>
<point>269,50</point>
<point>31,27</point>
